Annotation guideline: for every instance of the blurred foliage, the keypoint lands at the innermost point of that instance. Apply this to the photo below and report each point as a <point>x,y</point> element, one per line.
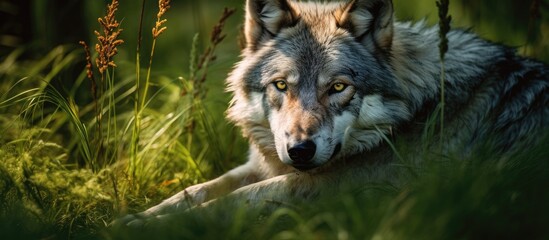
<point>47,191</point>
<point>41,25</point>
<point>48,23</point>
<point>517,23</point>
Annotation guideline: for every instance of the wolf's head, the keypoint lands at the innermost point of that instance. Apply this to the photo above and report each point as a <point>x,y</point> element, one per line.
<point>315,81</point>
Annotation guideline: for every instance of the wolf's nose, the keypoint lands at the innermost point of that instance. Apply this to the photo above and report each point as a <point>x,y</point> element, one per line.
<point>302,153</point>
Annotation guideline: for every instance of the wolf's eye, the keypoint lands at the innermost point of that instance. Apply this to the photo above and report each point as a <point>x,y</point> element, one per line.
<point>337,87</point>
<point>281,85</point>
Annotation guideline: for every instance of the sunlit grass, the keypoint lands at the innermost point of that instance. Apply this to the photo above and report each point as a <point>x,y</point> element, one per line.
<point>75,195</point>
<point>65,163</point>
<point>484,197</point>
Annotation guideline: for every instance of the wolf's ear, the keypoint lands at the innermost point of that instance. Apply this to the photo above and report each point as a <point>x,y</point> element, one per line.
<point>265,18</point>
<point>370,21</point>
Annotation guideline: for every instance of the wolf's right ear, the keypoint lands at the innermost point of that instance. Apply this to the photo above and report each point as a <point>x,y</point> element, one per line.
<point>265,18</point>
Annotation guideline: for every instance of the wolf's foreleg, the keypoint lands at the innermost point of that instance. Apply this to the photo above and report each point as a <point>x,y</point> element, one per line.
<point>291,188</point>
<point>194,195</point>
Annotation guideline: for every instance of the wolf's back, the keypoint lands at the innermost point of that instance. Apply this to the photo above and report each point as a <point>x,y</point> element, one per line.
<point>493,97</point>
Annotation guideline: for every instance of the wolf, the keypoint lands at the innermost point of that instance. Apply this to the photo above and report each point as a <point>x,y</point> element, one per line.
<point>322,89</point>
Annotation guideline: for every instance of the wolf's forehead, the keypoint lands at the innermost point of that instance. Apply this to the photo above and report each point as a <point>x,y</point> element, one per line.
<point>315,11</point>
<point>304,55</point>
<point>310,52</point>
<point>316,37</point>
<point>319,18</point>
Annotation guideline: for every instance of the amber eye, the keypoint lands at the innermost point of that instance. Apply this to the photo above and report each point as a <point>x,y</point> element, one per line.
<point>338,87</point>
<point>281,85</point>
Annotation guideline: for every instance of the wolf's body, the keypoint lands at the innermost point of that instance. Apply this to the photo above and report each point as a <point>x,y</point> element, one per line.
<point>322,87</point>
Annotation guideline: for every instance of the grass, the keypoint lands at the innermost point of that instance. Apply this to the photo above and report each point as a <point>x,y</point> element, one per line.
<point>480,198</point>
<point>76,156</point>
<point>444,28</point>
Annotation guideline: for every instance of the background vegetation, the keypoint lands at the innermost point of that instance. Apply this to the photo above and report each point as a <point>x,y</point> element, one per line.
<point>62,176</point>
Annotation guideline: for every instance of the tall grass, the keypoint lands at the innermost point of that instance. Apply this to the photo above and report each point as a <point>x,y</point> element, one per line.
<point>42,193</point>
<point>70,163</point>
<point>118,169</point>
<point>135,166</point>
<point>483,197</point>
<point>444,28</point>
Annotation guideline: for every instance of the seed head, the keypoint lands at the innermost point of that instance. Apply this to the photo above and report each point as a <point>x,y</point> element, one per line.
<point>163,6</point>
<point>108,41</point>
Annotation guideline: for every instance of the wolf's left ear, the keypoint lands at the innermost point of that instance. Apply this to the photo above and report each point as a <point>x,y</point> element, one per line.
<point>370,21</point>
<point>265,18</point>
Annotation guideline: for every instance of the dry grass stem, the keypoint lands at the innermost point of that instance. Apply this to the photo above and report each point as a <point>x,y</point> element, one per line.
<point>163,6</point>
<point>89,70</point>
<point>89,74</point>
<point>216,36</point>
<point>108,41</point>
<point>444,25</point>
<point>215,39</point>
<point>444,28</point>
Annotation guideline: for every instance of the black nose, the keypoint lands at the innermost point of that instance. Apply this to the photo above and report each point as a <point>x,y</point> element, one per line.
<point>302,153</point>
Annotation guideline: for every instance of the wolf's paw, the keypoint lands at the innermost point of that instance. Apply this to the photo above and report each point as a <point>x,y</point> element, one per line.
<point>131,220</point>
<point>139,221</point>
<point>151,215</point>
<point>179,203</point>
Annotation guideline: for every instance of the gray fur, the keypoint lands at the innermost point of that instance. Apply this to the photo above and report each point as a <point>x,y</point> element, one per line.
<point>494,98</point>
<point>481,77</point>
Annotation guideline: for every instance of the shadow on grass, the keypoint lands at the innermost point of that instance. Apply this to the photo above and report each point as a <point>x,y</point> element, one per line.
<point>485,197</point>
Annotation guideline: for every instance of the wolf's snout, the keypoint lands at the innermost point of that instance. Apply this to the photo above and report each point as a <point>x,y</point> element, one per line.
<point>301,155</point>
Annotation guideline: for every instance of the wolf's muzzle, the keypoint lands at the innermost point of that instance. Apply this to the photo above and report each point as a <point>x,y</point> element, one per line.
<point>301,155</point>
